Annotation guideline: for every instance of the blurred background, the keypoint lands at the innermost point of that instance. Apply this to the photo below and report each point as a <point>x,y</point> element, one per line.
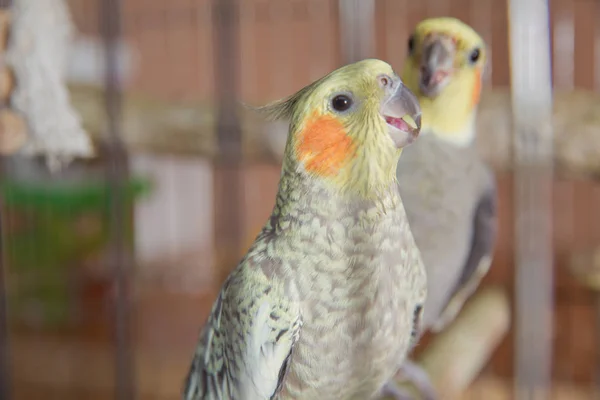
<point>110,265</point>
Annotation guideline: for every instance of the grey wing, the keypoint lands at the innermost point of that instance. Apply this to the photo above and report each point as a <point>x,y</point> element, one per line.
<point>478,262</point>
<point>201,383</point>
<point>245,348</point>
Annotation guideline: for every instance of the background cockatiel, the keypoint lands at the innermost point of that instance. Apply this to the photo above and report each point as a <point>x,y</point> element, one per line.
<point>448,192</point>
<point>326,302</point>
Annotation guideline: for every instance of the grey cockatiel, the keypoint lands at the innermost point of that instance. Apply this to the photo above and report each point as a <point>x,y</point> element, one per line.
<point>448,192</point>
<point>325,303</point>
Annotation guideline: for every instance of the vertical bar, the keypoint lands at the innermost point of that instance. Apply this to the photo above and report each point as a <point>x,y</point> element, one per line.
<point>5,381</point>
<point>597,49</point>
<point>5,376</point>
<point>564,49</point>
<point>596,369</point>
<point>227,179</point>
<point>531,82</point>
<point>357,33</point>
<point>117,171</point>
<point>481,15</point>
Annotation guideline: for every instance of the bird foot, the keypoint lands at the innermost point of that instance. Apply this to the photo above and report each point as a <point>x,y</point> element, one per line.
<point>392,390</point>
<point>410,371</point>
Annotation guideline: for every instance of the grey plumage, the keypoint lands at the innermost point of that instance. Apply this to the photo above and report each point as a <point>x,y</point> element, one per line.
<point>326,308</point>
<point>450,200</point>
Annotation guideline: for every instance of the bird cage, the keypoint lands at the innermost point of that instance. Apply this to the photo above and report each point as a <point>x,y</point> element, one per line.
<point>116,240</point>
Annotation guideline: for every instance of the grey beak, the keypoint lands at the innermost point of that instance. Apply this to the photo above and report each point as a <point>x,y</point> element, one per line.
<point>403,112</point>
<point>436,64</point>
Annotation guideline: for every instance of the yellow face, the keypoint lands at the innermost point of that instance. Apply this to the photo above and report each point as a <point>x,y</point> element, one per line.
<point>361,110</point>
<point>443,50</point>
<point>444,69</point>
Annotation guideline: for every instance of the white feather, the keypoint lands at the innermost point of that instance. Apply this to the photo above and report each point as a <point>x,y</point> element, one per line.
<point>264,357</point>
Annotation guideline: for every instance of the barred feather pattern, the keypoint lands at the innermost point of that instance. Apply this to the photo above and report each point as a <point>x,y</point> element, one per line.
<point>321,307</point>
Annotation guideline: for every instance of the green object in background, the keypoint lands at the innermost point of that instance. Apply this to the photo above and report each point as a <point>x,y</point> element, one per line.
<point>50,228</point>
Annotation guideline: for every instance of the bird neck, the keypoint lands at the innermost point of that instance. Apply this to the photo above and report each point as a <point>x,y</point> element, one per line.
<point>449,120</point>
<point>451,115</point>
<point>301,195</point>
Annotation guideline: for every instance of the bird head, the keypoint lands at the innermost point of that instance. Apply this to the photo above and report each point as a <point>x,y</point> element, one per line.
<point>349,127</point>
<point>444,69</point>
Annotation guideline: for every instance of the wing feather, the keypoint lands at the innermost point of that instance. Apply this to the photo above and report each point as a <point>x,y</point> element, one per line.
<point>485,226</point>
<point>245,348</point>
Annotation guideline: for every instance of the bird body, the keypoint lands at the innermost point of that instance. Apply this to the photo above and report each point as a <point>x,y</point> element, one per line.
<point>449,193</point>
<point>442,190</point>
<point>353,319</point>
<point>322,306</point>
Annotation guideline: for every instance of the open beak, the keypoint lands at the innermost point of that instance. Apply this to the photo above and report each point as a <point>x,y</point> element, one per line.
<point>402,112</point>
<point>437,62</point>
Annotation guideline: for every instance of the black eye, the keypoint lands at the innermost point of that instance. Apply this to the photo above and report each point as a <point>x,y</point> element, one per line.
<point>474,56</point>
<point>341,102</point>
<point>411,43</point>
<point>384,80</point>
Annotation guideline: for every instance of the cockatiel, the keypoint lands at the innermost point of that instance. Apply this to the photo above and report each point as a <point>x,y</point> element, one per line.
<point>322,306</point>
<point>448,192</point>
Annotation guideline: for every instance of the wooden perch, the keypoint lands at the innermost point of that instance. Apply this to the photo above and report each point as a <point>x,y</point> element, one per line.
<point>585,267</point>
<point>153,125</point>
<point>7,84</point>
<point>7,79</point>
<point>575,120</point>
<point>13,132</point>
<point>455,357</point>
<point>5,22</point>
<point>491,388</point>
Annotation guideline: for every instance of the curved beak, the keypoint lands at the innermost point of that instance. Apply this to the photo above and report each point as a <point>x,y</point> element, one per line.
<point>437,62</point>
<point>402,112</point>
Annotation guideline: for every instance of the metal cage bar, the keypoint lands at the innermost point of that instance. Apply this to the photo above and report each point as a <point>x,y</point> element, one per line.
<point>531,88</point>
<point>116,174</point>
<point>227,174</point>
<point>5,375</point>
<point>357,35</point>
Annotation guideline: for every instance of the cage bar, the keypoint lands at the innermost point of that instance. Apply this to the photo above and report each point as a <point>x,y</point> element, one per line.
<point>357,35</point>
<point>117,172</point>
<point>227,174</point>
<point>5,375</point>
<point>531,84</point>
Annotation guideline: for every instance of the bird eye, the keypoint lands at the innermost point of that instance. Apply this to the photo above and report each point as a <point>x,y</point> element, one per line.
<point>474,56</point>
<point>411,43</point>
<point>341,102</point>
<point>384,80</point>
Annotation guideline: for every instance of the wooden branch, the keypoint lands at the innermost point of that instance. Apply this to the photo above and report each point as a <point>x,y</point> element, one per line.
<point>7,84</point>
<point>585,267</point>
<point>5,22</point>
<point>575,121</point>
<point>491,388</point>
<point>152,125</point>
<point>13,132</point>
<point>455,357</point>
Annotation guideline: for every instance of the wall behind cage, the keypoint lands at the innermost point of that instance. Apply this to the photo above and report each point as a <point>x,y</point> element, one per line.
<point>283,45</point>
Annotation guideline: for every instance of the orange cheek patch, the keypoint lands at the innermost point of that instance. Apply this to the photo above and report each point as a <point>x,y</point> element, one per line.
<point>476,88</point>
<point>324,146</point>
